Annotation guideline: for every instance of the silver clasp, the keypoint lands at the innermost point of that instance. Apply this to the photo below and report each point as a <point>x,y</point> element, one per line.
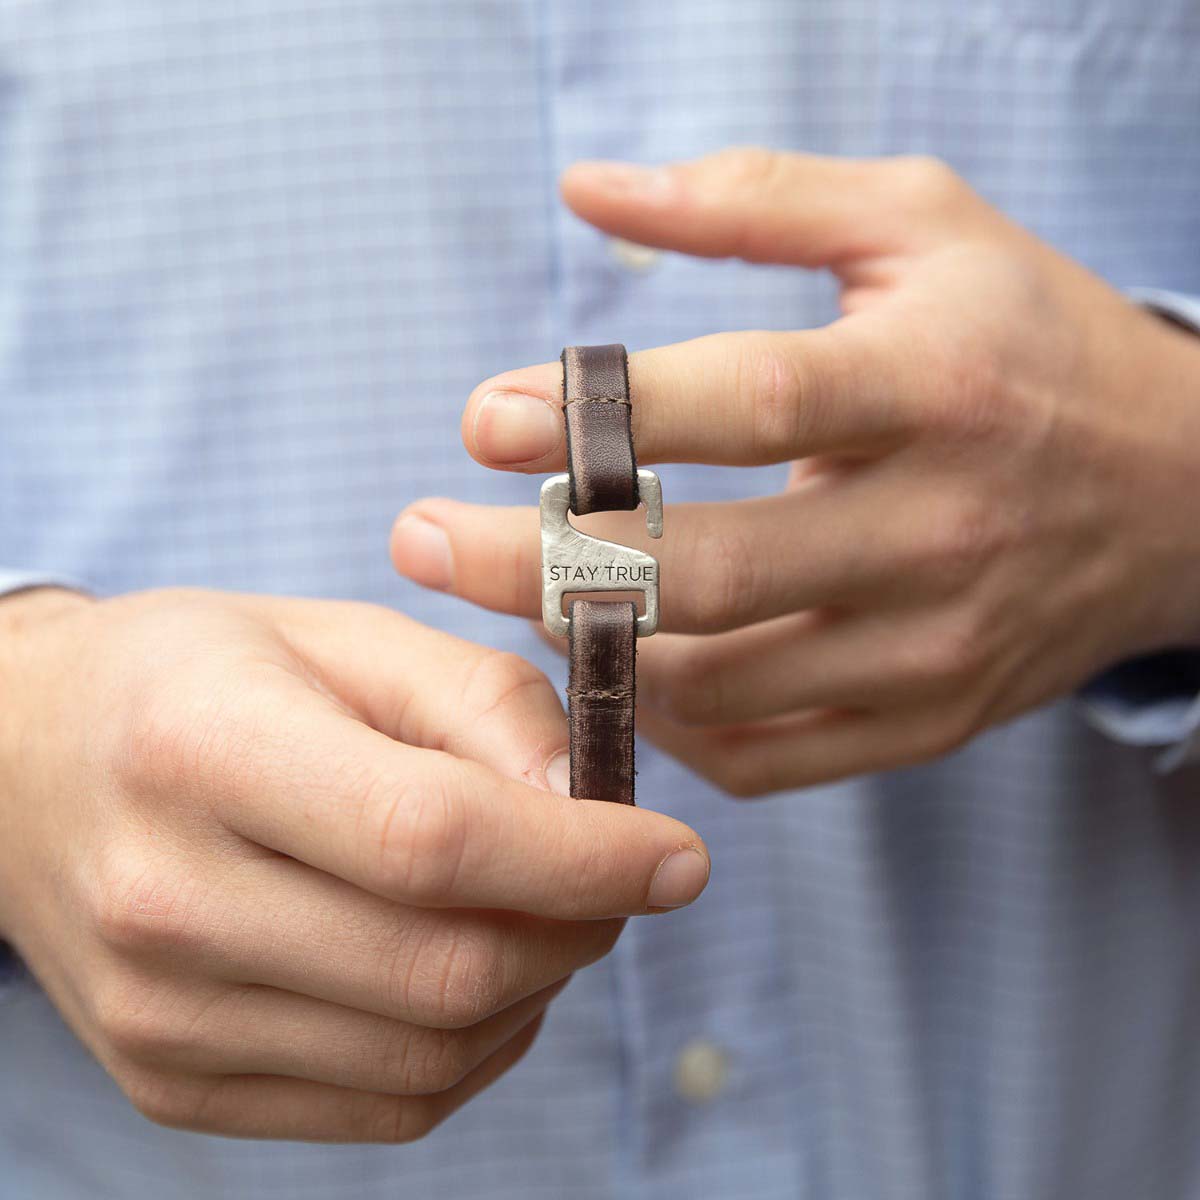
<point>577,562</point>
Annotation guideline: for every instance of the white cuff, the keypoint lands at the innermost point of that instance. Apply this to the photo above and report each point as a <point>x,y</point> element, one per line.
<point>13,580</point>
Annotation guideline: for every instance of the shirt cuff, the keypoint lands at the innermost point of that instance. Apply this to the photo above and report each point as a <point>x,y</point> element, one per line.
<point>13,580</point>
<point>1153,700</point>
<point>1175,306</point>
<point>1150,701</point>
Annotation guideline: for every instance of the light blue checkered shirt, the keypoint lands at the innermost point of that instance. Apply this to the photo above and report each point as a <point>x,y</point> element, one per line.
<point>254,254</point>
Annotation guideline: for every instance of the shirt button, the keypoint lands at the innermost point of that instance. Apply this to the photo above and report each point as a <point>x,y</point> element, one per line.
<point>631,256</point>
<point>701,1071</point>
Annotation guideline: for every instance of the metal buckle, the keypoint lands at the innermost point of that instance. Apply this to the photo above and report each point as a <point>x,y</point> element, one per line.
<point>573,561</point>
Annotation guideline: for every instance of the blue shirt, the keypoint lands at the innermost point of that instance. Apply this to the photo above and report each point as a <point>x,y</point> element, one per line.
<point>253,256</point>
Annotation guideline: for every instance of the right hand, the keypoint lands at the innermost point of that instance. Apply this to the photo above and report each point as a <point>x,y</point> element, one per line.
<point>290,868</point>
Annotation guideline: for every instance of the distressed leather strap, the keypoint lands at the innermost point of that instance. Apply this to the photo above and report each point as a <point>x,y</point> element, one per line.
<point>603,633</point>
<point>600,698</point>
<point>596,405</point>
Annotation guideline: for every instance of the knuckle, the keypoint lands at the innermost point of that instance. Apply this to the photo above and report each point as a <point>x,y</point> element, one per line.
<point>733,581</point>
<point>460,981</point>
<point>435,1060</point>
<point>589,881</point>
<point>520,563</point>
<point>394,1121</point>
<point>744,783</point>
<point>468,986</point>
<point>168,744</point>
<point>421,837</point>
<point>159,1098</point>
<point>959,650</point>
<point>960,541</point>
<point>131,1018</point>
<point>177,1103</point>
<point>740,782</point>
<point>742,177</point>
<point>142,1036</point>
<point>160,745</point>
<point>142,907</point>
<point>938,663</point>
<point>495,679</point>
<point>749,168</point>
<point>924,183</point>
<point>968,404</point>
<point>398,961</point>
<point>772,389</point>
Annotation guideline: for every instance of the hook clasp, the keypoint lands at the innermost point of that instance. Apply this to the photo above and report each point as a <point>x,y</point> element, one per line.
<point>573,561</point>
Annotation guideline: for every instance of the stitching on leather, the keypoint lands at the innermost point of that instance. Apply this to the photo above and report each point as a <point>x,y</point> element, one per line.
<point>587,693</point>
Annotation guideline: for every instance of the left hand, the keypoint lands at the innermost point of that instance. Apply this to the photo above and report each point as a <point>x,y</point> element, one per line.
<point>995,481</point>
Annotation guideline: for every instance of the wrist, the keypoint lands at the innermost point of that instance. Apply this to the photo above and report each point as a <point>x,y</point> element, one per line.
<point>26,611</point>
<point>1177,378</point>
<point>22,612</point>
<point>24,616</point>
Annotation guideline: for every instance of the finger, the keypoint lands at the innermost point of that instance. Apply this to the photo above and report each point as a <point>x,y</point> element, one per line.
<point>269,1106</point>
<point>769,206</point>
<point>728,564</point>
<point>261,1031</point>
<point>807,749</point>
<point>299,776</point>
<point>734,398</point>
<point>280,924</point>
<point>805,661</point>
<point>430,689</point>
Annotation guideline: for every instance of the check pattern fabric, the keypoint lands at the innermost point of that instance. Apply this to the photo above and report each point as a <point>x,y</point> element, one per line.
<point>253,256</point>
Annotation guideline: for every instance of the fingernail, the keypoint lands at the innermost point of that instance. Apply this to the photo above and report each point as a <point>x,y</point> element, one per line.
<point>680,878</point>
<point>421,551</point>
<point>512,427</point>
<point>558,774</point>
<point>626,179</point>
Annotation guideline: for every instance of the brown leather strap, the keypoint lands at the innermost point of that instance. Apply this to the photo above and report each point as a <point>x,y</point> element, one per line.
<point>599,439</point>
<point>603,633</point>
<point>600,698</point>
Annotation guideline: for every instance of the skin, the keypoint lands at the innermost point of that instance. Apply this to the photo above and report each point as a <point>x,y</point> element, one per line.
<point>992,494</point>
<point>292,868</point>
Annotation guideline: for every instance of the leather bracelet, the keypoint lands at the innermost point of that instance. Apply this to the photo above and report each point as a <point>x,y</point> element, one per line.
<point>602,475</point>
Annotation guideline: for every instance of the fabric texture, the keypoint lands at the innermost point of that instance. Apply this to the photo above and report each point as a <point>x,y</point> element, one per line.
<point>255,254</point>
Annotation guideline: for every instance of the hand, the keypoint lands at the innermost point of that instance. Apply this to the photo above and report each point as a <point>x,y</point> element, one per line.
<point>289,868</point>
<point>995,482</point>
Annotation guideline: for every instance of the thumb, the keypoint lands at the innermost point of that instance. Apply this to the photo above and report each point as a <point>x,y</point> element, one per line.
<point>773,206</point>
